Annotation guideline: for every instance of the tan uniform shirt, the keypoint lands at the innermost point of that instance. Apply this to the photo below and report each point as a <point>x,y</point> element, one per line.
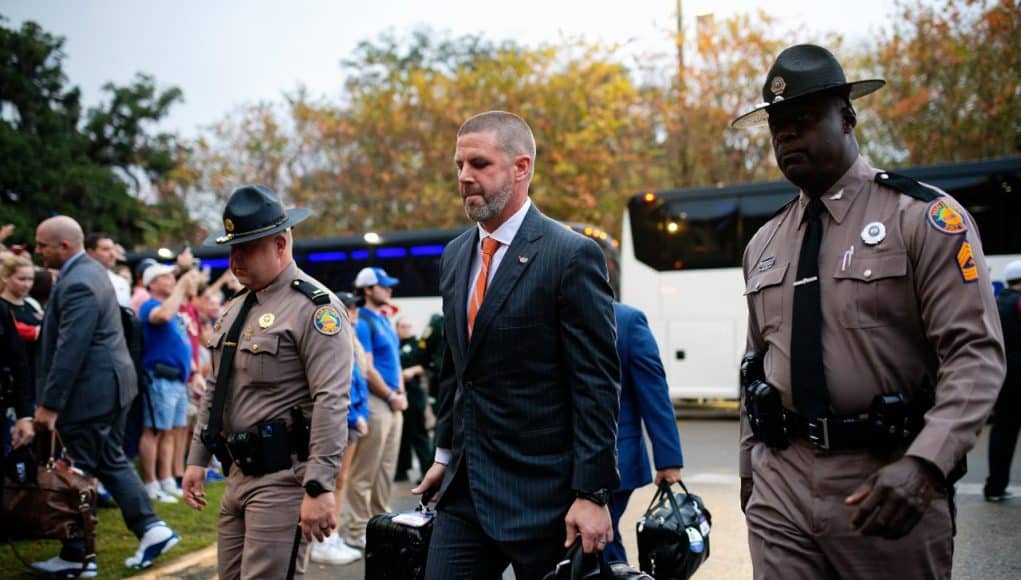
<point>906,301</point>
<point>291,351</point>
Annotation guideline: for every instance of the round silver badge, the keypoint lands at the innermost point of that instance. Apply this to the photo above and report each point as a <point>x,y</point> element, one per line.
<point>873,233</point>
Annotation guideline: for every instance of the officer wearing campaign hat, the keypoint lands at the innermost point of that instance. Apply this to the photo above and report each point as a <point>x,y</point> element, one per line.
<point>282,355</point>
<point>878,352</point>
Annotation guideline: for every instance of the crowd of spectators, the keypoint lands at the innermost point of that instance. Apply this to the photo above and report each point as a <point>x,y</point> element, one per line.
<point>176,306</point>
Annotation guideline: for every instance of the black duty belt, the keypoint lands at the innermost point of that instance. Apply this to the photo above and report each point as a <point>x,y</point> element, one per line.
<point>834,432</point>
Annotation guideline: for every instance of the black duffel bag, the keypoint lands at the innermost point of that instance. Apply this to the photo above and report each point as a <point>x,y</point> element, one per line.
<point>673,535</point>
<point>578,565</point>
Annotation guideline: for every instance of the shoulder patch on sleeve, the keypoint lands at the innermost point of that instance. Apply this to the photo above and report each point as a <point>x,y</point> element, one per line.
<point>944,217</point>
<point>907,186</point>
<point>317,295</point>
<point>326,320</point>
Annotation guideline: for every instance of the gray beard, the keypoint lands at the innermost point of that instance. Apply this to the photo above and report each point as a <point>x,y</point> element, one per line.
<point>492,207</point>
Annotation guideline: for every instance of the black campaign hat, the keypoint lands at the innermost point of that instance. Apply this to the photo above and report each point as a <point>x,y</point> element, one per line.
<point>799,71</point>
<point>253,212</point>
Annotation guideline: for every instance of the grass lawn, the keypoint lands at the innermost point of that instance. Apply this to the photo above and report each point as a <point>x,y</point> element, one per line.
<point>115,543</point>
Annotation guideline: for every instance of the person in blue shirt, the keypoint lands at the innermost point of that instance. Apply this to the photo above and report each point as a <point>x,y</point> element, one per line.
<point>644,398</point>
<point>370,480</point>
<point>167,363</point>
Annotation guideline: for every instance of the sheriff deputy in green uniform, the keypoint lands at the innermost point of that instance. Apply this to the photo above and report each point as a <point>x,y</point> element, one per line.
<point>282,357</point>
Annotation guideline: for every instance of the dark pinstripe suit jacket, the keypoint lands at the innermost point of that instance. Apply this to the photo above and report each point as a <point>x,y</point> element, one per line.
<point>530,404</point>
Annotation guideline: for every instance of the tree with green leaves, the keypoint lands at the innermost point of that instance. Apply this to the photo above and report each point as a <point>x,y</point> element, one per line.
<point>95,169</point>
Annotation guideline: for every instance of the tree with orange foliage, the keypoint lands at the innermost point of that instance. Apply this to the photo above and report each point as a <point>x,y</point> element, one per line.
<point>954,74</point>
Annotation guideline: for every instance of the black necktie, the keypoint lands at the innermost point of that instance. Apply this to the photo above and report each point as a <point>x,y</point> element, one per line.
<point>230,346</point>
<point>808,378</point>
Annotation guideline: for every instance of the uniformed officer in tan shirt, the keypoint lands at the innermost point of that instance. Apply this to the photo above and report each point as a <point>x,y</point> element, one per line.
<point>292,363</point>
<point>893,298</point>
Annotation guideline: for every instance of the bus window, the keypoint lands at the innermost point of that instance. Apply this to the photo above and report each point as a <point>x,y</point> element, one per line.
<point>687,233</point>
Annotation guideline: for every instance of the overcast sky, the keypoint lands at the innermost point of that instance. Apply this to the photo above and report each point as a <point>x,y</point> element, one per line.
<point>223,53</point>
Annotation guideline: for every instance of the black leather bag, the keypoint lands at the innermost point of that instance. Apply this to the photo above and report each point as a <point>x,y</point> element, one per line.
<point>577,565</point>
<point>397,544</point>
<point>673,535</point>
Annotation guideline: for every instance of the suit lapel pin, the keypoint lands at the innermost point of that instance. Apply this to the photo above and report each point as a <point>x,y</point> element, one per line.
<point>523,259</point>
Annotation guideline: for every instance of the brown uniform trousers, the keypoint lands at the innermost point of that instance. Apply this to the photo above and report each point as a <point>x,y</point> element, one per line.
<point>291,352</point>
<point>907,304</point>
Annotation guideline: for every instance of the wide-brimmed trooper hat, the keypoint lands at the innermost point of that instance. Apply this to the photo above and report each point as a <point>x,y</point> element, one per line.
<point>800,71</point>
<point>253,212</point>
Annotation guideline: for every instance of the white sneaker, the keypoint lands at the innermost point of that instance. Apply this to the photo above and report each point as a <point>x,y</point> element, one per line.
<point>156,541</point>
<point>357,543</point>
<point>57,567</point>
<point>336,553</point>
<point>156,493</point>
<point>169,487</point>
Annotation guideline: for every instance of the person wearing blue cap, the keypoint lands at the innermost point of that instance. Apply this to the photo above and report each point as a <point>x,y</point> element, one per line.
<point>367,491</point>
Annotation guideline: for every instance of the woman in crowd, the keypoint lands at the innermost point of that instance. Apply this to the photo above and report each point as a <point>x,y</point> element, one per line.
<point>17,275</point>
<point>16,387</point>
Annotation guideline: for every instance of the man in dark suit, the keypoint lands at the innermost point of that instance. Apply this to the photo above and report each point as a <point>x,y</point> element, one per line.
<point>644,398</point>
<point>86,384</point>
<point>529,390</point>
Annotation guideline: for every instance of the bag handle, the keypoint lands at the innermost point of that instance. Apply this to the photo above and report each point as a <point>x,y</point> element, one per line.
<point>51,461</point>
<point>665,490</point>
<point>575,558</point>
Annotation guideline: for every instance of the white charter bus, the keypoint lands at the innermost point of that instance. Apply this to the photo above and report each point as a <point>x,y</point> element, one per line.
<point>680,261</point>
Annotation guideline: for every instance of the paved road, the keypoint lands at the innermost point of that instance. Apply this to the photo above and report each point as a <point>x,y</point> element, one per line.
<point>988,537</point>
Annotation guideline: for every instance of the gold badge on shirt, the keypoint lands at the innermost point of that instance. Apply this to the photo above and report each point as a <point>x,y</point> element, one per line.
<point>266,320</point>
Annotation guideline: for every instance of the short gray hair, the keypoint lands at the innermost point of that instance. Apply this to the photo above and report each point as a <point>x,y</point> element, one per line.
<point>513,134</point>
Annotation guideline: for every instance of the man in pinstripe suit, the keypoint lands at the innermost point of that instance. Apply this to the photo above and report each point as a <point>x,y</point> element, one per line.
<point>529,391</point>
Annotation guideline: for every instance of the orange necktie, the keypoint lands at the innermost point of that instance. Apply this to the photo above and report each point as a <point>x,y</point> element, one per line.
<point>489,247</point>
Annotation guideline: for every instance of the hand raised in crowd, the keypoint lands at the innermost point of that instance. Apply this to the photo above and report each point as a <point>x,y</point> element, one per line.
<point>894,499</point>
<point>318,516</point>
<point>193,487</point>
<point>592,522</point>
<point>5,231</point>
<point>431,481</point>
<point>670,475</point>
<point>23,433</point>
<point>185,259</point>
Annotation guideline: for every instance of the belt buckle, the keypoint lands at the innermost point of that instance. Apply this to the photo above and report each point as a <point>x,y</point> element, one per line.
<point>818,431</point>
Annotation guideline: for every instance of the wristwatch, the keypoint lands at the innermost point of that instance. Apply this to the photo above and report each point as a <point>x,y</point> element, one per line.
<point>599,497</point>
<point>314,489</point>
